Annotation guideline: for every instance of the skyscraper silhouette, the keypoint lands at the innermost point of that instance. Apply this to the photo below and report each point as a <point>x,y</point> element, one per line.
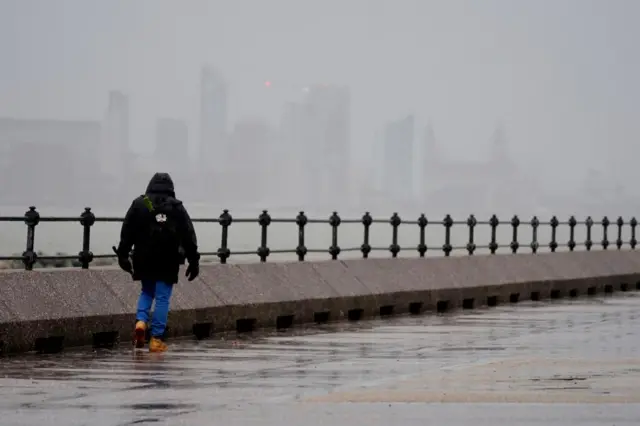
<point>398,158</point>
<point>116,162</point>
<point>213,120</point>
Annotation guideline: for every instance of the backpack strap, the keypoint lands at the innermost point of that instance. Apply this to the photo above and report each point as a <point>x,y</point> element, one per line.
<point>147,202</point>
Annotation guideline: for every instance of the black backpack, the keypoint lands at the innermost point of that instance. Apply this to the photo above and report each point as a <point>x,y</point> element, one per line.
<point>162,228</point>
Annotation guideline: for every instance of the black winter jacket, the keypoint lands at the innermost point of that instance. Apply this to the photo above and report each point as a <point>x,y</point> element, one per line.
<point>157,263</point>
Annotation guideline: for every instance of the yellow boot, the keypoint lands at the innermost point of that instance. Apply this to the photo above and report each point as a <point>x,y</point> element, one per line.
<point>139,334</point>
<point>157,345</point>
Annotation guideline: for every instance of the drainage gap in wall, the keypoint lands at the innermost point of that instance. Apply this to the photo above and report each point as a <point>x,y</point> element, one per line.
<point>535,296</point>
<point>415,308</point>
<point>591,291</point>
<point>624,287</point>
<point>105,339</point>
<point>442,306</point>
<point>638,285</point>
<point>245,325</point>
<point>1,347</point>
<point>514,297</point>
<point>284,321</point>
<point>355,314</point>
<point>468,303</point>
<point>492,301</point>
<point>386,311</point>
<point>166,334</point>
<point>573,292</point>
<point>608,288</point>
<point>49,345</point>
<point>321,317</point>
<point>555,294</point>
<point>202,330</point>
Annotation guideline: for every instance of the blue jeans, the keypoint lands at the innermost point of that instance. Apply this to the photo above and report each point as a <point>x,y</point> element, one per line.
<point>161,292</point>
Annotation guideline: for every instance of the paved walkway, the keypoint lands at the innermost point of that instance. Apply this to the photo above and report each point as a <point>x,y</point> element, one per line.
<point>562,363</point>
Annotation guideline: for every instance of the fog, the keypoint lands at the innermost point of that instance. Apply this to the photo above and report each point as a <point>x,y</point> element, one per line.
<point>510,107</point>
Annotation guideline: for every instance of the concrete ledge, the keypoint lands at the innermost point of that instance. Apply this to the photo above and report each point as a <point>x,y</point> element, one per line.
<point>46,310</point>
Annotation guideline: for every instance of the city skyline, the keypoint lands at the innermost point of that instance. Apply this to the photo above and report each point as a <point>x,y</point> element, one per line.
<point>311,139</point>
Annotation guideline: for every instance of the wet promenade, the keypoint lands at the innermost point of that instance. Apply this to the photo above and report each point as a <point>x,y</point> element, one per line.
<point>562,363</point>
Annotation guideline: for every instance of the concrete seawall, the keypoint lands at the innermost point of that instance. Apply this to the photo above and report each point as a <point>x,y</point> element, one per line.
<point>46,310</point>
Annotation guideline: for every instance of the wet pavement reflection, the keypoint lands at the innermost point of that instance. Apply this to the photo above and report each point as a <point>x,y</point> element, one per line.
<point>579,358</point>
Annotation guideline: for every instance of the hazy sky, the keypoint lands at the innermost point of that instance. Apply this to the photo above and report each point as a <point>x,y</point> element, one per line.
<point>562,75</point>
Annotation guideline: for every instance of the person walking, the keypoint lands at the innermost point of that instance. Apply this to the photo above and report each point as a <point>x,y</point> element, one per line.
<point>158,228</point>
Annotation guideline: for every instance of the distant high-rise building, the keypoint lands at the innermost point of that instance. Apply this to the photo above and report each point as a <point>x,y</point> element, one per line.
<point>288,154</point>
<point>430,146</point>
<point>327,142</point>
<point>213,120</point>
<point>115,158</point>
<point>431,159</point>
<point>248,152</point>
<point>398,158</point>
<point>50,162</point>
<point>499,148</point>
<point>172,146</point>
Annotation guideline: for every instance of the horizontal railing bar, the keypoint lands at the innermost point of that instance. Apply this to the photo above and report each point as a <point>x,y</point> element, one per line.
<point>523,249</point>
<point>243,253</point>
<point>431,222</point>
<point>205,219</point>
<point>248,220</point>
<point>282,251</point>
<point>323,221</point>
<point>59,218</point>
<point>281,220</point>
<point>108,219</point>
<point>351,221</point>
<point>59,257</point>
<point>11,258</point>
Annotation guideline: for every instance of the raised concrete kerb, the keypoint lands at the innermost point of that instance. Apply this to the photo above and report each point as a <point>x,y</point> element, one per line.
<point>78,307</point>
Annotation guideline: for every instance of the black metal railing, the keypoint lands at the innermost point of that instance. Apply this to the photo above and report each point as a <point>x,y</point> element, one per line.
<point>87,219</point>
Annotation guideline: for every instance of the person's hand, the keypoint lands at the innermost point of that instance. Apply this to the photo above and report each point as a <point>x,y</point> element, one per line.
<point>192,271</point>
<point>123,262</point>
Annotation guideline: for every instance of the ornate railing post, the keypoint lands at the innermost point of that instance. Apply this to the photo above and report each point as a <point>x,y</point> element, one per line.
<point>301,250</point>
<point>422,224</point>
<point>87,219</point>
<point>264,220</point>
<point>471,223</point>
<point>395,222</point>
<point>29,256</point>
<point>572,229</point>
<point>534,238</point>
<point>493,222</point>
<point>515,222</point>
<point>334,250</point>
<point>620,223</point>
<point>365,248</point>
<point>605,226</point>
<point>588,242</point>
<point>553,245</point>
<point>633,240</point>
<point>448,223</point>
<point>225,220</point>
